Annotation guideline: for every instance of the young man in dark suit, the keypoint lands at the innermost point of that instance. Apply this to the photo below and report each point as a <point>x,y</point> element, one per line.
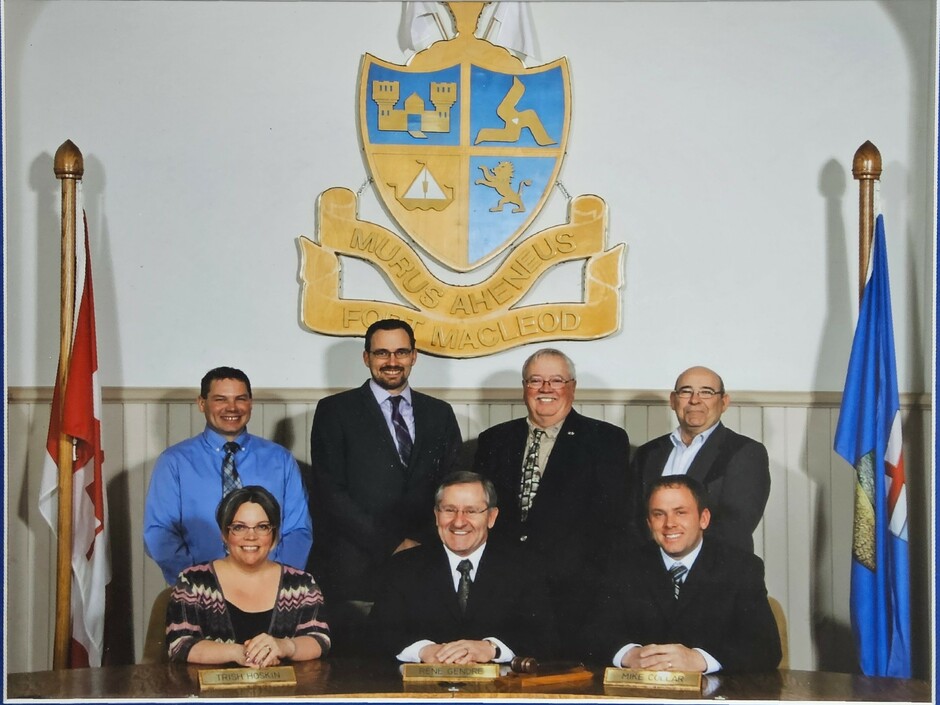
<point>563,480</point>
<point>377,453</point>
<point>685,601</point>
<point>733,468</point>
<point>462,599</point>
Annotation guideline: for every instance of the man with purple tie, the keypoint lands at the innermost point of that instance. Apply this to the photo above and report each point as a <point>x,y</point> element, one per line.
<point>377,454</point>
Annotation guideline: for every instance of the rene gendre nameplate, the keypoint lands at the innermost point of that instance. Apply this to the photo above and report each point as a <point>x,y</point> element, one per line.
<point>213,678</point>
<point>663,680</point>
<point>423,672</point>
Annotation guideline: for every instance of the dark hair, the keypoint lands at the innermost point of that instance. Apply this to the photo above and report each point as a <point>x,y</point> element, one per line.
<point>389,324</point>
<point>255,494</point>
<point>466,477</point>
<point>222,373</point>
<point>699,493</point>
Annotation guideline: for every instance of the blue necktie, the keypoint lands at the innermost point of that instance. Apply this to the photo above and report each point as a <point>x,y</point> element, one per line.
<point>405,444</point>
<point>677,573</point>
<point>230,479</point>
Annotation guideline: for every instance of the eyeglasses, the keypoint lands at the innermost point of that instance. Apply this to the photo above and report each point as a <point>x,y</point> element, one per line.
<point>262,529</point>
<point>452,512</point>
<point>703,393</point>
<point>553,382</point>
<point>399,354</point>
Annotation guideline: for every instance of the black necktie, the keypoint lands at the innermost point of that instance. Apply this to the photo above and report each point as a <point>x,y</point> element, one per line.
<point>230,479</point>
<point>530,475</point>
<point>405,443</point>
<point>677,572</point>
<point>463,587</point>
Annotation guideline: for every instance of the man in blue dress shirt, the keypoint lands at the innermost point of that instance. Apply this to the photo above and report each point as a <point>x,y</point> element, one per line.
<point>187,482</point>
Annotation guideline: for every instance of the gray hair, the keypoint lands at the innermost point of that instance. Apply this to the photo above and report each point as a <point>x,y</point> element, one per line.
<point>549,352</point>
<point>466,477</point>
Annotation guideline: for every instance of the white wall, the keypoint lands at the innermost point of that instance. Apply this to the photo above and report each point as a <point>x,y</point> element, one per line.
<point>721,135</point>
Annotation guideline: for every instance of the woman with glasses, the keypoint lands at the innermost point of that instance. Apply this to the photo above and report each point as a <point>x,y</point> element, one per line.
<point>245,608</point>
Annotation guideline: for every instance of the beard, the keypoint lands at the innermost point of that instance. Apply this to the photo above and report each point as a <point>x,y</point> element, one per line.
<point>385,384</point>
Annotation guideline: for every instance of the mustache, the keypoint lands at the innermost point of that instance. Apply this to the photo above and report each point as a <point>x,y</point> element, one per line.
<point>391,368</point>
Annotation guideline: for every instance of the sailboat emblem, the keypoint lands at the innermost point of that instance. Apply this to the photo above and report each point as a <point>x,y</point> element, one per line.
<point>424,193</point>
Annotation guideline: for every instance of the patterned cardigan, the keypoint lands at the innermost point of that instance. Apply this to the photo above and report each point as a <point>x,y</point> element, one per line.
<point>197,610</point>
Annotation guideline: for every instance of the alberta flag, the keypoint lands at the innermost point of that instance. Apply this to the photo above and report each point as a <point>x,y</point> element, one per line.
<point>869,437</point>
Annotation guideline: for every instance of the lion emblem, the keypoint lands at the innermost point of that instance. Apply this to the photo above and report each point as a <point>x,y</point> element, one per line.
<point>500,178</point>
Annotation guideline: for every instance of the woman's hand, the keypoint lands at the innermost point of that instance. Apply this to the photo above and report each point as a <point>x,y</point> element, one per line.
<point>264,650</point>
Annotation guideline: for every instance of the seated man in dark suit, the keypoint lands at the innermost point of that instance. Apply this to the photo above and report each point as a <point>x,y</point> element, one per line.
<point>733,468</point>
<point>563,480</point>
<point>462,600</point>
<point>686,602</point>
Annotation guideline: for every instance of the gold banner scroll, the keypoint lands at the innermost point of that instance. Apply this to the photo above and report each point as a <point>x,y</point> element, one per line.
<point>462,321</point>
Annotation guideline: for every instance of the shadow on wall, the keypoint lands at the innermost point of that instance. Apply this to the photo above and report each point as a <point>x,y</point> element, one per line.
<point>119,638</point>
<point>835,647</point>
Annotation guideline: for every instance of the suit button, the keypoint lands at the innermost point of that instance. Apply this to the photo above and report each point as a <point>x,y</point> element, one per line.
<point>523,537</point>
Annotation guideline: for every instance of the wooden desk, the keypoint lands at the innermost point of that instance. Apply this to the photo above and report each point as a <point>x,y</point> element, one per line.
<point>359,678</point>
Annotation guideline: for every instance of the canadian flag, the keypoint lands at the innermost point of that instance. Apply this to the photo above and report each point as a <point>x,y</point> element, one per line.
<point>80,414</point>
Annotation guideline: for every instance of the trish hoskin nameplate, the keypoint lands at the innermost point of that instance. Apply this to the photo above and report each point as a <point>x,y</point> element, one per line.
<point>662,680</point>
<point>423,672</point>
<point>212,678</point>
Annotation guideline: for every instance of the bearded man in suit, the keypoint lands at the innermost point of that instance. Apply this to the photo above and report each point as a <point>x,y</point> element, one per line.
<point>563,480</point>
<point>685,601</point>
<point>377,454</point>
<point>733,468</point>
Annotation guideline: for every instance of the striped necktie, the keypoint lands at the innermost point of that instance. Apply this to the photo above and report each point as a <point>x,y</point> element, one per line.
<point>405,444</point>
<point>677,573</point>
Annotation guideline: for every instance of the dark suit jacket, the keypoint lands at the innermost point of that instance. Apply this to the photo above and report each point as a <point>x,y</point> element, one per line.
<point>508,600</point>
<point>363,500</point>
<point>581,509</point>
<point>735,471</point>
<point>722,608</point>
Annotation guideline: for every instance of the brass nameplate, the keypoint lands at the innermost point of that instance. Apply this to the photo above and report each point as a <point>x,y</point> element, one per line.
<point>664,680</point>
<point>418,672</point>
<point>242,677</point>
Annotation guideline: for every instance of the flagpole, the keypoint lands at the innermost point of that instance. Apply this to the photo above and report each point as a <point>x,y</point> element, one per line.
<point>866,168</point>
<point>69,168</point>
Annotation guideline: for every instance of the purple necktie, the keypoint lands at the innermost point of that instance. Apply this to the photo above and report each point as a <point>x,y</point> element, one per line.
<point>405,444</point>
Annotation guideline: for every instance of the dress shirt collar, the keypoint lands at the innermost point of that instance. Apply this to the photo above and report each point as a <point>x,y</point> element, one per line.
<point>454,559</point>
<point>550,431</point>
<point>697,440</point>
<point>687,560</point>
<point>382,394</point>
<point>217,441</point>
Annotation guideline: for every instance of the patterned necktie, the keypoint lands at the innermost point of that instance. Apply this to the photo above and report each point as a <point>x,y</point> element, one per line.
<point>405,443</point>
<point>230,479</point>
<point>530,474</point>
<point>463,587</point>
<point>677,573</point>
